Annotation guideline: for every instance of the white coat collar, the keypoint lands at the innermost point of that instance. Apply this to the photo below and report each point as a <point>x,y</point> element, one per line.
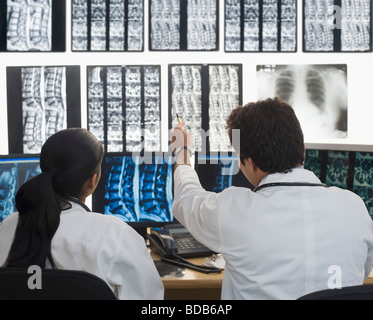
<point>298,174</point>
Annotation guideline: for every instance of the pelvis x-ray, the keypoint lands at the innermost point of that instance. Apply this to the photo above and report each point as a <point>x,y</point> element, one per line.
<point>29,26</point>
<point>318,94</point>
<point>13,173</point>
<point>203,96</point>
<point>328,27</point>
<point>124,107</point>
<point>183,24</point>
<point>43,105</point>
<point>138,192</point>
<point>101,25</point>
<point>256,25</point>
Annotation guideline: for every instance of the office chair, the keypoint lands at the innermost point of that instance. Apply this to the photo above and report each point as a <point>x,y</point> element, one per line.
<point>55,285</point>
<point>360,292</point>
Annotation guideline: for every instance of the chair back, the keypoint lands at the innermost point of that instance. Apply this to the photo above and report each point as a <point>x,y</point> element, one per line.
<point>360,292</point>
<point>18,284</point>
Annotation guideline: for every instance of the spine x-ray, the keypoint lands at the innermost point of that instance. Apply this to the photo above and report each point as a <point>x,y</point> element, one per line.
<point>107,25</point>
<point>345,169</point>
<point>260,25</point>
<point>203,97</point>
<point>137,191</point>
<point>183,25</point>
<point>337,25</point>
<point>41,101</point>
<point>30,25</point>
<point>13,173</point>
<point>124,107</point>
<point>318,94</point>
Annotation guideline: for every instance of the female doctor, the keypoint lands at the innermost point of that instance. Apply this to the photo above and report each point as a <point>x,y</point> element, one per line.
<point>53,228</point>
<point>291,235</point>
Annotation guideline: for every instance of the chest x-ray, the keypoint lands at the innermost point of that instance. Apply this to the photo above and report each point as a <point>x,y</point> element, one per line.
<point>328,27</point>
<point>29,25</point>
<point>318,94</point>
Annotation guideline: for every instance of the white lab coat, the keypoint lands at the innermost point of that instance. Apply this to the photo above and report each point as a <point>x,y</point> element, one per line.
<point>101,245</point>
<point>280,242</point>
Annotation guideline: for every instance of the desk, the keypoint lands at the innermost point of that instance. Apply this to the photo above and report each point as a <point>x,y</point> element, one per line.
<point>192,285</point>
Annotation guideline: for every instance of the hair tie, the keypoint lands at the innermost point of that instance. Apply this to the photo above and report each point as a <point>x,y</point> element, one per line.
<point>52,173</point>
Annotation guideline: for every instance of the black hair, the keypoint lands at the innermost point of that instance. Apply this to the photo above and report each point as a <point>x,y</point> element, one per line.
<point>270,134</point>
<point>67,160</point>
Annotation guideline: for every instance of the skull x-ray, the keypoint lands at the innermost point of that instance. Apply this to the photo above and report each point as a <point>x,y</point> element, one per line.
<point>101,25</point>
<point>183,25</point>
<point>254,25</point>
<point>318,94</point>
<point>13,173</point>
<point>43,105</point>
<point>124,107</point>
<point>137,189</point>
<point>332,28</point>
<point>205,114</point>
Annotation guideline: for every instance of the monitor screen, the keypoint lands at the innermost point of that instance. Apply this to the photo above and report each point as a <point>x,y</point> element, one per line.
<point>218,171</point>
<point>14,171</point>
<point>136,188</point>
<point>349,170</point>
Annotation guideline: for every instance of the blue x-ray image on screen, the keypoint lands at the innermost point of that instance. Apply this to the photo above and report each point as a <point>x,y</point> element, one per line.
<point>13,173</point>
<point>217,172</point>
<point>138,189</point>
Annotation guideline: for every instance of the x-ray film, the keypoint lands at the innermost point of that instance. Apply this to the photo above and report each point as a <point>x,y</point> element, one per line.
<point>260,25</point>
<point>203,96</point>
<point>136,189</point>
<point>337,26</point>
<point>183,25</point>
<point>345,169</point>
<point>318,94</point>
<point>124,107</point>
<point>31,25</point>
<point>107,25</point>
<point>41,101</point>
<point>13,173</point>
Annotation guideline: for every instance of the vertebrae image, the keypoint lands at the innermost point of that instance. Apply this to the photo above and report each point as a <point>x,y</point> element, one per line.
<point>43,105</point>
<point>324,18</point>
<point>100,25</point>
<point>13,173</point>
<point>137,192</point>
<point>29,25</point>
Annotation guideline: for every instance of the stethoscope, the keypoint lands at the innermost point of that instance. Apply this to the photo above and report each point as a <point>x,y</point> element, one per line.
<point>77,201</point>
<point>289,184</point>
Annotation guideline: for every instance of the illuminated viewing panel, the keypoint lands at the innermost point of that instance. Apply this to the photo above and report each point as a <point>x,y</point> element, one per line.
<point>14,171</point>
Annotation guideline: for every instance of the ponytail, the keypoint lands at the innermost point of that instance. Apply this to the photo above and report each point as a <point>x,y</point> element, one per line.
<point>39,216</point>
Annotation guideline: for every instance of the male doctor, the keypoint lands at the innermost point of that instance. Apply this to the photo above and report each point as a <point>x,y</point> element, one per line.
<point>290,236</point>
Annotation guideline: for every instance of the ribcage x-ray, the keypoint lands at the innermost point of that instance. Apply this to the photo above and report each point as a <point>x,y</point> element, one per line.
<point>124,107</point>
<point>137,191</point>
<point>344,27</point>
<point>13,173</point>
<point>203,97</point>
<point>318,94</point>
<point>260,25</point>
<point>102,25</point>
<point>183,24</point>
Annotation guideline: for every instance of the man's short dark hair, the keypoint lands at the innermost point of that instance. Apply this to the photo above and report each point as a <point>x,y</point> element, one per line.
<point>270,134</point>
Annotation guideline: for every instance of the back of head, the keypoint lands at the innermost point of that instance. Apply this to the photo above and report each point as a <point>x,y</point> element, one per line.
<point>270,134</point>
<point>67,160</point>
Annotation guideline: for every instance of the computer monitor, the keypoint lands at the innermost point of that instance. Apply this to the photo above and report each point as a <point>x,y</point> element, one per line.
<point>137,189</point>
<point>14,171</point>
<point>220,170</point>
<point>351,170</point>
